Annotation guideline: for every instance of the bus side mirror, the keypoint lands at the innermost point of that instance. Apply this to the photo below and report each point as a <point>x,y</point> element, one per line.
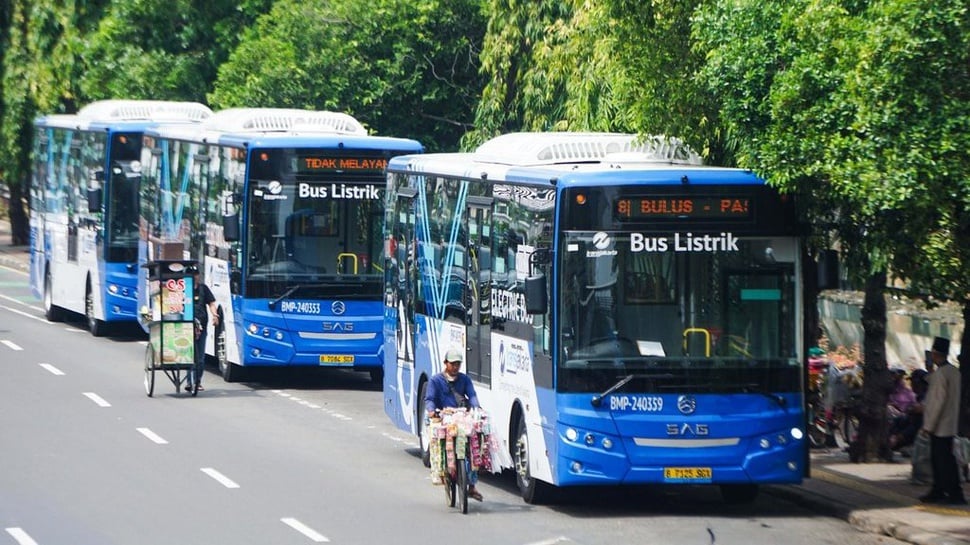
<point>536,298</point>
<point>230,227</point>
<point>828,270</point>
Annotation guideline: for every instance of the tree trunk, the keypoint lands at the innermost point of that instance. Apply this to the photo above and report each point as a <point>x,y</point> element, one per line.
<point>813,323</point>
<point>964,359</point>
<point>873,420</point>
<point>19,223</point>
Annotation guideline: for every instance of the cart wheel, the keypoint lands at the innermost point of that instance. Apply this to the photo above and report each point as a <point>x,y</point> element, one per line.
<point>463,486</point>
<point>149,371</point>
<point>449,489</point>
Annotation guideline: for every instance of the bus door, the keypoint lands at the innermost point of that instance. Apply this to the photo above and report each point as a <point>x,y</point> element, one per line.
<point>478,288</point>
<point>758,311</point>
<point>403,252</point>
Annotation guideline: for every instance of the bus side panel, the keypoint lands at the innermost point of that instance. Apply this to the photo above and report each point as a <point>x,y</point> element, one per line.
<point>513,382</point>
<point>400,375</point>
<point>216,274</point>
<point>38,258</point>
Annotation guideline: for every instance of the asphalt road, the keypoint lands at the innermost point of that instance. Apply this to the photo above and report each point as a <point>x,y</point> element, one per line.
<point>290,458</point>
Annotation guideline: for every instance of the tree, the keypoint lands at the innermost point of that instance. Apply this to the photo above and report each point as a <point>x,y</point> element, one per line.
<point>403,68</point>
<point>163,49</point>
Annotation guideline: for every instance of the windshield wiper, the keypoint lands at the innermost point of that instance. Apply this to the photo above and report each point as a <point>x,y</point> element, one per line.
<point>287,293</point>
<point>598,399</point>
<point>755,389</point>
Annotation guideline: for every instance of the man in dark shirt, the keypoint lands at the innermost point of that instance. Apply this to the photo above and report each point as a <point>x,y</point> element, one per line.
<point>452,388</point>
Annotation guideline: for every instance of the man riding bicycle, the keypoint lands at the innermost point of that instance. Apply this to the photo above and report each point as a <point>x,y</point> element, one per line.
<point>452,388</point>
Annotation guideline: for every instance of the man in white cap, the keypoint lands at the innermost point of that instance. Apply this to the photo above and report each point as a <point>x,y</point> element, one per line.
<point>452,388</point>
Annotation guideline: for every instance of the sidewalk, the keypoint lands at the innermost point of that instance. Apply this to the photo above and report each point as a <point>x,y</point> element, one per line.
<point>875,498</point>
<point>14,257</point>
<point>878,498</point>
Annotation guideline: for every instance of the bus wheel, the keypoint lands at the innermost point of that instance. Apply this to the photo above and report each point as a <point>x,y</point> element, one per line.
<point>739,493</point>
<point>423,426</point>
<point>97,327</point>
<point>230,373</point>
<point>377,376</point>
<point>51,312</point>
<point>533,490</point>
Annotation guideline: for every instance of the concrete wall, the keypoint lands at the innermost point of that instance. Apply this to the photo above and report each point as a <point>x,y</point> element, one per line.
<point>908,333</point>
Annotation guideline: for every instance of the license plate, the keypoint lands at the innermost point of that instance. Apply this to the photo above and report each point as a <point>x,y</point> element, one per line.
<point>685,474</point>
<point>336,359</point>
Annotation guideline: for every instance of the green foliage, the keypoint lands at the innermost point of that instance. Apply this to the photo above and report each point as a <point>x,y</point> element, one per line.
<point>163,49</point>
<point>404,68</point>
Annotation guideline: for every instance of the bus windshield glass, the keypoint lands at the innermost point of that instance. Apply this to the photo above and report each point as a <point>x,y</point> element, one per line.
<point>122,206</point>
<point>679,312</point>
<point>315,225</point>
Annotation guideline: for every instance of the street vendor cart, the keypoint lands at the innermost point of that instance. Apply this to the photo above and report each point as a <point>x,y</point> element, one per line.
<point>460,444</point>
<point>171,324</point>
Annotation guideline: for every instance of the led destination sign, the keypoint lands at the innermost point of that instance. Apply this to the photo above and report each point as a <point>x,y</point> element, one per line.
<point>308,164</point>
<point>678,207</point>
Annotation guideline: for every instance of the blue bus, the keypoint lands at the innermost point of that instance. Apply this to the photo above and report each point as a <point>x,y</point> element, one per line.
<point>628,315</point>
<point>283,209</point>
<point>84,206</point>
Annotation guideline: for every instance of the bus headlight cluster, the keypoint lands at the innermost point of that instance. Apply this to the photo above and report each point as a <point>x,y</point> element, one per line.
<point>124,291</point>
<point>265,332</point>
<point>588,438</point>
<point>781,439</point>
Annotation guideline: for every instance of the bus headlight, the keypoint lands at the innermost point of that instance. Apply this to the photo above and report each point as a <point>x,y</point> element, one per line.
<point>797,434</point>
<point>607,443</point>
<point>113,289</point>
<point>572,434</point>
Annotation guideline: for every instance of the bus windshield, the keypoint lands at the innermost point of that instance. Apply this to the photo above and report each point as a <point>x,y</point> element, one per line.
<point>318,233</point>
<point>682,312</point>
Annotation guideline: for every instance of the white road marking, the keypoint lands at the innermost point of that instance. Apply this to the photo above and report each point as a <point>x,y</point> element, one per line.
<point>10,344</point>
<point>154,437</point>
<point>19,302</point>
<point>314,536</point>
<point>21,536</point>
<point>97,399</point>
<point>25,315</point>
<point>222,479</point>
<point>52,369</point>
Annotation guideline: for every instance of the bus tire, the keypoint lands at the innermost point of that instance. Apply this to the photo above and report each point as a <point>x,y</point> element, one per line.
<point>533,491</point>
<point>739,493</point>
<point>98,328</point>
<point>52,312</point>
<point>377,376</point>
<point>423,426</point>
<point>229,371</point>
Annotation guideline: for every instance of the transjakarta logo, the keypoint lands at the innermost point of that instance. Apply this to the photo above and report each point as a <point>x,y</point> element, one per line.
<point>684,242</point>
<point>515,358</point>
<point>338,191</point>
<point>602,242</point>
<point>274,187</point>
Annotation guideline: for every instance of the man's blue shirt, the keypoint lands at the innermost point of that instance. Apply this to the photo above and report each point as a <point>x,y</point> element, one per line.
<point>439,396</point>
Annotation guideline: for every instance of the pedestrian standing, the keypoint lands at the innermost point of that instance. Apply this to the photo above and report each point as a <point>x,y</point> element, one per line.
<point>940,419</point>
<point>205,307</point>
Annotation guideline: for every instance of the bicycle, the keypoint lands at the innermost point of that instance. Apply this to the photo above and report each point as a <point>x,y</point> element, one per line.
<point>836,428</point>
<point>458,444</point>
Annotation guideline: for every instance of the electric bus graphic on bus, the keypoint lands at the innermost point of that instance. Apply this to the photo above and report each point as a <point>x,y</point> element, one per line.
<point>84,206</point>
<point>283,209</point>
<point>628,315</point>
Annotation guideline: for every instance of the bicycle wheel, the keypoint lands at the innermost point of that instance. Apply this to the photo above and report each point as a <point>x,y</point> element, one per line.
<point>450,487</point>
<point>149,371</point>
<point>463,486</point>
